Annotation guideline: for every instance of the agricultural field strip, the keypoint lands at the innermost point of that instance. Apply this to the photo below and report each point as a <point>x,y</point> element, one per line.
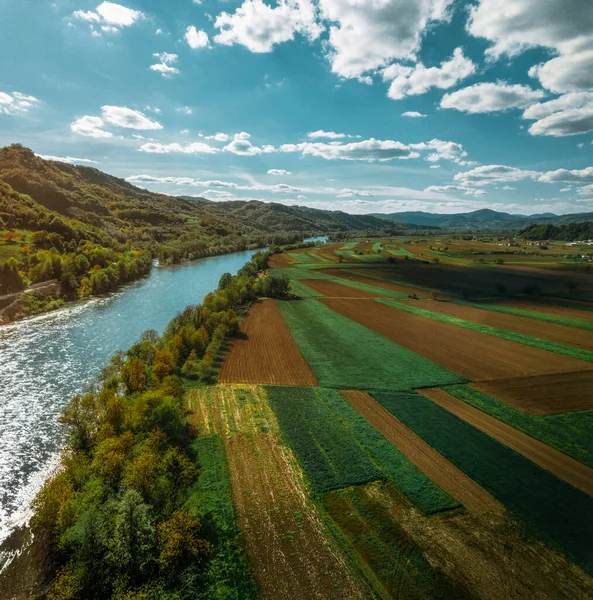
<point>552,509</point>
<point>418,488</point>
<point>303,291</point>
<point>530,314</point>
<point>339,288</point>
<point>344,354</point>
<point>363,273</point>
<point>280,523</point>
<point>552,332</point>
<point>558,463</point>
<point>267,352</point>
<point>570,433</point>
<point>328,454</point>
<point>445,475</point>
<point>577,353</point>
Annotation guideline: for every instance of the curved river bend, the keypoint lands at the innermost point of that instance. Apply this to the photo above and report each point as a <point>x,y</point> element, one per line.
<point>45,360</point>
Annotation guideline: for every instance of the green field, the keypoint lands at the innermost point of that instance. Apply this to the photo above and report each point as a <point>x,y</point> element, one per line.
<point>228,574</point>
<point>540,316</point>
<point>550,508</point>
<point>571,433</point>
<point>344,354</point>
<point>302,291</point>
<point>511,336</point>
<point>303,257</point>
<point>417,487</point>
<point>330,457</point>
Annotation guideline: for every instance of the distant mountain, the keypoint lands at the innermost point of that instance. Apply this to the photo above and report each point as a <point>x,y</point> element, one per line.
<point>279,217</point>
<point>483,219</point>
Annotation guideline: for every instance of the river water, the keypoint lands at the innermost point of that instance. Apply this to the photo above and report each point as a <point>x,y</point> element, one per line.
<point>45,360</point>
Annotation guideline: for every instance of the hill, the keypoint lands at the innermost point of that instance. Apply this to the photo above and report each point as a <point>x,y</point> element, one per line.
<point>571,232</point>
<point>482,219</point>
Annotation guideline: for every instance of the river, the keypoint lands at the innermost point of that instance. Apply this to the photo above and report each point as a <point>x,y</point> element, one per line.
<point>45,360</point>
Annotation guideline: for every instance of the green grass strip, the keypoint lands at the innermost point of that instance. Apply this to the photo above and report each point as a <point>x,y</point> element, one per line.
<point>227,575</point>
<point>329,455</point>
<point>349,245</point>
<point>344,354</point>
<point>531,314</point>
<point>303,291</point>
<point>550,508</point>
<point>571,433</point>
<point>386,279</point>
<point>303,257</point>
<point>401,252</point>
<point>511,336</point>
<point>300,272</point>
<point>413,483</point>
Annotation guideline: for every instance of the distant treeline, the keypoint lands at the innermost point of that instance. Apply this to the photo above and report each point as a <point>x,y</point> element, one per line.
<point>570,233</point>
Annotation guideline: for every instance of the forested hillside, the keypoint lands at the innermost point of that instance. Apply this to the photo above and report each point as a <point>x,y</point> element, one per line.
<point>570,233</point>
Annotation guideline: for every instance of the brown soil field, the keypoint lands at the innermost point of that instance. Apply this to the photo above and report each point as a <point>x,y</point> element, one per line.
<point>558,463</point>
<point>547,306</point>
<point>561,334</point>
<point>474,355</point>
<point>292,553</point>
<point>446,475</point>
<point>544,394</point>
<point>265,351</point>
<point>370,280</point>
<point>336,290</point>
<point>328,251</point>
<point>278,261</point>
<point>364,247</point>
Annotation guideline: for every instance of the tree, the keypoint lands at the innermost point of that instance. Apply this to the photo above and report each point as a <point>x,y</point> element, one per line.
<point>133,375</point>
<point>163,363</point>
<point>180,542</point>
<point>225,280</point>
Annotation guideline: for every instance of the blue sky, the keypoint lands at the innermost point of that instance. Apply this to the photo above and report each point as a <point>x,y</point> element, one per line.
<point>364,106</point>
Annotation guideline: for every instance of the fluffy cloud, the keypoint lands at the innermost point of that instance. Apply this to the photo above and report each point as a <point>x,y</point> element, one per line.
<point>16,103</point>
<point>67,159</point>
<point>350,193</point>
<point>365,36</point>
<point>467,191</point>
<point>412,81</point>
<point>567,176</point>
<point>184,110</point>
<point>368,150</point>
<point>441,150</point>
<point>490,97</point>
<point>176,148</point>
<point>218,137</point>
<point>122,116</point>
<point>571,114</point>
<point>278,172</point>
<point>331,135</point>
<point>242,146</point>
<point>90,127</point>
<point>110,15</point>
<point>413,114</point>
<point>259,27</point>
<point>493,174</point>
<point>586,191</point>
<point>563,27</point>
<point>196,39</point>
<point>165,65</point>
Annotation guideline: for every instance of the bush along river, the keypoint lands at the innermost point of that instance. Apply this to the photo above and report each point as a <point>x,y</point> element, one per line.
<point>45,360</point>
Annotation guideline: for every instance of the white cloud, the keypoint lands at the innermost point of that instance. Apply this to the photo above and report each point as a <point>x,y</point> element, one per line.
<point>413,114</point>
<point>192,148</point>
<point>435,166</point>
<point>165,66</point>
<point>259,27</point>
<point>565,27</point>
<point>196,39</point>
<point>122,116</point>
<point>185,110</point>
<point>111,16</point>
<point>242,146</point>
<point>571,114</point>
<point>218,137</point>
<point>490,97</point>
<point>16,103</point>
<point>331,135</point>
<point>566,176</point>
<point>493,174</point>
<point>441,150</point>
<point>153,109</point>
<point>365,36</point>
<point>587,190</point>
<point>90,127</point>
<point>67,159</point>
<point>350,193</point>
<point>366,150</point>
<point>412,81</point>
<point>278,172</point>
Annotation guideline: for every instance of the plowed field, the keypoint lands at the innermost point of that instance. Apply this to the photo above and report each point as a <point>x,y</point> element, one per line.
<point>336,290</point>
<point>278,261</point>
<point>474,355</point>
<point>562,465</point>
<point>448,477</point>
<point>544,394</point>
<point>265,351</point>
<point>552,309</point>
<point>369,280</point>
